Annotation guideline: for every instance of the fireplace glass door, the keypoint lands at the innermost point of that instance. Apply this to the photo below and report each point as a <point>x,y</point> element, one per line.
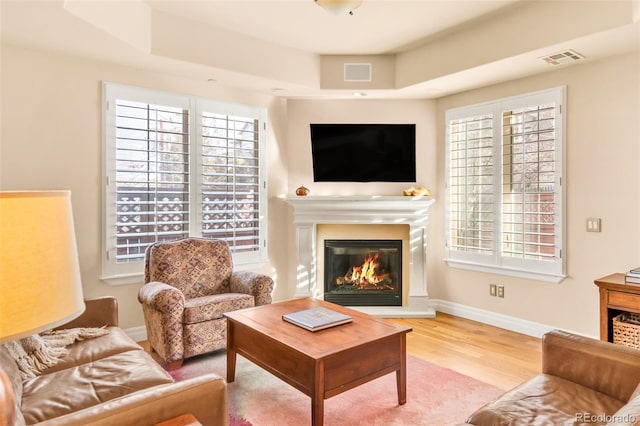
<point>363,272</point>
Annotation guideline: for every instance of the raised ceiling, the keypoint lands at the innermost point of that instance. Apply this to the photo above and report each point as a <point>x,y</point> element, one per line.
<point>293,48</point>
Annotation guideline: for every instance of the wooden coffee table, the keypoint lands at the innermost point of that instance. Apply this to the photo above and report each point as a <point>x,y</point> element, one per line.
<point>320,364</point>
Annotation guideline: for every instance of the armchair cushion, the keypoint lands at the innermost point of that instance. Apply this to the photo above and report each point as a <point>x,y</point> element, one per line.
<point>207,308</point>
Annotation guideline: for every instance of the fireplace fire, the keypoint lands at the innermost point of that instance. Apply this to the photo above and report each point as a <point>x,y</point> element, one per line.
<point>363,272</point>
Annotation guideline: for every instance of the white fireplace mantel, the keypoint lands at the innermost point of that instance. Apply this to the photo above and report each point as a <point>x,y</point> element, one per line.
<point>310,211</point>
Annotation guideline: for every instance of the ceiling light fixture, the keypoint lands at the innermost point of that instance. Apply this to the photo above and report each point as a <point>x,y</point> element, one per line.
<point>339,7</point>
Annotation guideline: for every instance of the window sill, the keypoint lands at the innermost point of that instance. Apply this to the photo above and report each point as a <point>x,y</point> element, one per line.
<point>117,280</point>
<point>538,276</point>
<point>249,266</point>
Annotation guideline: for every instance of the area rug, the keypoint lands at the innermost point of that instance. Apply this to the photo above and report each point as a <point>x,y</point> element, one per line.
<point>436,396</point>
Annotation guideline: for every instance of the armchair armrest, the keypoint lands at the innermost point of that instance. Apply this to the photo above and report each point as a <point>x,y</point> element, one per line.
<point>260,286</point>
<point>611,369</point>
<point>205,397</point>
<point>161,297</point>
<point>99,311</point>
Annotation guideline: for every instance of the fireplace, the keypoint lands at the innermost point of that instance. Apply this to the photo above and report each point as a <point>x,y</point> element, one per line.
<point>363,272</point>
<point>311,211</point>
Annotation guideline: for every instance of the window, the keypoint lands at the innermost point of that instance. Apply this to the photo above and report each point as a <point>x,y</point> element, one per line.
<point>504,186</point>
<point>177,166</point>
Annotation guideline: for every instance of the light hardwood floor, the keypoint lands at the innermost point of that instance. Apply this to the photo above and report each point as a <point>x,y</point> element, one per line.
<point>493,355</point>
<point>490,354</point>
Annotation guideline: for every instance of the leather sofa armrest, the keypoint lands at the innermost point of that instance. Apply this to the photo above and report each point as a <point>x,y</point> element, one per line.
<point>99,311</point>
<point>205,397</point>
<point>260,286</point>
<point>161,297</point>
<point>611,369</point>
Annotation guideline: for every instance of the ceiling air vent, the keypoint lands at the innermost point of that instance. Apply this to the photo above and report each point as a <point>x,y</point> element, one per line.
<point>357,72</point>
<point>563,57</point>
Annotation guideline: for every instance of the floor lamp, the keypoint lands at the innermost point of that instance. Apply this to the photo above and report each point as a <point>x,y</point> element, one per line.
<point>40,286</point>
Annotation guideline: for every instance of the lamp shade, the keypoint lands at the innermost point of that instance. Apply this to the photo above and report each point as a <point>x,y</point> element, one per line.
<point>40,286</point>
<point>339,7</point>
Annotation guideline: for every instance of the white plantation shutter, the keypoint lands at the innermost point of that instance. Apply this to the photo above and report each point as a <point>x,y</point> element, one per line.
<point>231,198</point>
<point>170,176</point>
<point>471,184</point>
<point>151,176</point>
<point>529,183</point>
<point>504,192</point>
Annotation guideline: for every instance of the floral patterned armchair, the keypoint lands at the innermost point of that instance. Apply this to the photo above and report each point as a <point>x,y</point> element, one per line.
<point>189,284</point>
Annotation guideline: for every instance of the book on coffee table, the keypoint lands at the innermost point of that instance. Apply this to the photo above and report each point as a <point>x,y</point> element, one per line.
<point>315,319</point>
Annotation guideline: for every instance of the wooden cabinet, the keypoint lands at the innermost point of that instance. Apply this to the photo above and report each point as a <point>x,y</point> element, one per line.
<point>616,296</point>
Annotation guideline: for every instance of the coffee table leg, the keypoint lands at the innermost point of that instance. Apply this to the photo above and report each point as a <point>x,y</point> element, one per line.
<point>317,398</point>
<point>401,374</point>
<point>231,353</point>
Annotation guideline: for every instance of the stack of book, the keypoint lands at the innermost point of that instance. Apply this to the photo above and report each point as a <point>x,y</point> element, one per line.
<point>633,276</point>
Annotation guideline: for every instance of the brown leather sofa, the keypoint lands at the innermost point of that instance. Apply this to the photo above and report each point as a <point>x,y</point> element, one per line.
<point>110,380</point>
<point>583,381</point>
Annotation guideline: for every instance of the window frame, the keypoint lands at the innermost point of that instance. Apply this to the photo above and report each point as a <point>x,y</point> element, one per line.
<point>496,263</point>
<point>119,273</point>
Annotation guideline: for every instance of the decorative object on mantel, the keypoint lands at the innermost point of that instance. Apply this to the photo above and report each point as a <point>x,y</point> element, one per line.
<point>302,191</point>
<point>421,190</point>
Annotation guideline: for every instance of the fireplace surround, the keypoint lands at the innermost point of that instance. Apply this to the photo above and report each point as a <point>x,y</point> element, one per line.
<point>311,211</point>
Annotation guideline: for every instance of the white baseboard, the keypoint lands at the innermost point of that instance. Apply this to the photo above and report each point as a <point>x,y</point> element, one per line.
<point>138,334</point>
<point>507,322</point>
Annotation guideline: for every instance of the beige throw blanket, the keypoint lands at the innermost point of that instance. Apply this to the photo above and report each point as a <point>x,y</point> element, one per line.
<point>35,353</point>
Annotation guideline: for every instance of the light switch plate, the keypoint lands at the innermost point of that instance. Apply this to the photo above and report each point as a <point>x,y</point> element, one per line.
<point>594,224</point>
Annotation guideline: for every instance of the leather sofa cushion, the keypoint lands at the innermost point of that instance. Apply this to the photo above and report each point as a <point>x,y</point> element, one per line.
<point>8,365</point>
<point>546,399</point>
<point>207,308</point>
<point>93,349</point>
<point>66,391</point>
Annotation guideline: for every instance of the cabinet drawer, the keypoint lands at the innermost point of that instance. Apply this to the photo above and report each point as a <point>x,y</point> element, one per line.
<point>625,300</point>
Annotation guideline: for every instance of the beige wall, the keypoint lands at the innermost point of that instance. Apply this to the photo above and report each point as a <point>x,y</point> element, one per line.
<point>602,180</point>
<point>51,139</point>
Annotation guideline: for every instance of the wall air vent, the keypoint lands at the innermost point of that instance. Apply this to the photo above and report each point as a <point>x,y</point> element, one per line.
<point>357,72</point>
<point>563,57</point>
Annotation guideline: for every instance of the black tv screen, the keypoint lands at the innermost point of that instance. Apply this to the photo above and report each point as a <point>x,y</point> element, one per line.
<point>363,152</point>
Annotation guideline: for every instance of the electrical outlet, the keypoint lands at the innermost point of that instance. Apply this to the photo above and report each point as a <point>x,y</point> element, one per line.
<point>493,290</point>
<point>500,291</point>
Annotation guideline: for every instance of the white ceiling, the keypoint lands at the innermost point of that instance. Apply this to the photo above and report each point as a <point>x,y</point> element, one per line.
<point>122,31</point>
<point>376,27</point>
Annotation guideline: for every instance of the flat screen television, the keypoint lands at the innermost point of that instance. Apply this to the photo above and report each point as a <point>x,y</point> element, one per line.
<point>363,152</point>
